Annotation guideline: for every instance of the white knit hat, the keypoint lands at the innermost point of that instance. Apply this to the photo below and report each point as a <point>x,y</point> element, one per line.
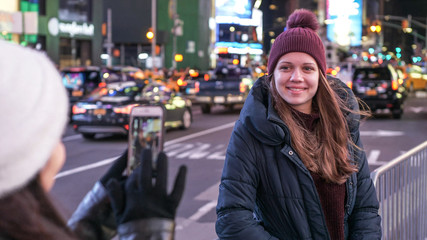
<point>33,109</point>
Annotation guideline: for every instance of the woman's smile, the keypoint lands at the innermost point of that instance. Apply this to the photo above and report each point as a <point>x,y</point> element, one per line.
<point>296,78</point>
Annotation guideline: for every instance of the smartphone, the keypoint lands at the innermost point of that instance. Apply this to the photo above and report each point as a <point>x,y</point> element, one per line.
<point>146,130</point>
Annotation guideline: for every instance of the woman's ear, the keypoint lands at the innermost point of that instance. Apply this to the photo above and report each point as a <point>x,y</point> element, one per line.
<point>52,167</point>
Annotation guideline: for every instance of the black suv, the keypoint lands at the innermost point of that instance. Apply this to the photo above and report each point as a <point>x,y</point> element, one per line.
<point>379,88</point>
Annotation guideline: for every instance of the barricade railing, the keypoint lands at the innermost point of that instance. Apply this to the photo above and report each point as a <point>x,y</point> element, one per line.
<point>401,187</point>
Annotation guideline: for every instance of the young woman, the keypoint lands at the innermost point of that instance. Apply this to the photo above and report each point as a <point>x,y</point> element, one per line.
<point>34,106</point>
<point>295,167</point>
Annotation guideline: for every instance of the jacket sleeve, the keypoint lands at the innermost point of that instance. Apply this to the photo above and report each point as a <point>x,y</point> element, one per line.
<point>147,229</point>
<point>94,218</point>
<point>364,221</point>
<point>237,191</point>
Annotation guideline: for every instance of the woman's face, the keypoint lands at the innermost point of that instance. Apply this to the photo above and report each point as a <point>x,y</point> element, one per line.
<point>297,77</point>
<point>52,167</point>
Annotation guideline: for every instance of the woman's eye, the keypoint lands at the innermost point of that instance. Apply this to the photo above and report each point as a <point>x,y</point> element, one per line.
<point>308,68</point>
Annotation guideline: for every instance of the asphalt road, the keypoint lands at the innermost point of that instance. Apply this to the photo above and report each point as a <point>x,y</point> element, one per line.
<point>202,149</point>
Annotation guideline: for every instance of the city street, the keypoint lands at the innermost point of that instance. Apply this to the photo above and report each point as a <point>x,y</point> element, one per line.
<point>202,148</point>
<point>93,72</point>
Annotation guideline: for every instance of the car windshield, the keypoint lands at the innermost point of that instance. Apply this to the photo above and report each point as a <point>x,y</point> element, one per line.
<point>120,92</point>
<point>230,73</point>
<point>112,92</point>
<point>122,74</point>
<point>373,74</point>
<point>156,92</point>
<point>75,80</point>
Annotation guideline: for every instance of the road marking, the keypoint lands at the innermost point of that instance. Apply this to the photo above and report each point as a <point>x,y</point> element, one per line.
<point>196,150</point>
<point>85,167</point>
<point>109,160</point>
<point>72,138</point>
<point>198,134</point>
<point>197,215</point>
<point>382,133</point>
<point>210,193</point>
<point>207,195</point>
<point>420,94</point>
<point>416,109</point>
<point>373,157</point>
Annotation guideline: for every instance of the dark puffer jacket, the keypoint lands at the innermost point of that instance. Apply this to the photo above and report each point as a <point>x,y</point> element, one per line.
<point>266,192</point>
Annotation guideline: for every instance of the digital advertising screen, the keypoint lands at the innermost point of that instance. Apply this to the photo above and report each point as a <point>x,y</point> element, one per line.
<point>233,8</point>
<point>344,22</point>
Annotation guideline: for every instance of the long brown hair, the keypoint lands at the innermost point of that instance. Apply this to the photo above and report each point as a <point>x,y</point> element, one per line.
<point>22,211</point>
<point>325,150</point>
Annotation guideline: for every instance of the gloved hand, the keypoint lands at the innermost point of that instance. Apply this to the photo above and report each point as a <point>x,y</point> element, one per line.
<point>116,170</point>
<point>94,217</point>
<point>138,199</point>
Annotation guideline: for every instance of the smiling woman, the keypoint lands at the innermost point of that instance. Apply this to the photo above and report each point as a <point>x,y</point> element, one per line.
<point>297,128</point>
<point>296,78</point>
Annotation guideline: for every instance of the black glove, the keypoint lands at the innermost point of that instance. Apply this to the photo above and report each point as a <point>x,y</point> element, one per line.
<point>116,170</point>
<point>138,199</point>
<point>94,218</point>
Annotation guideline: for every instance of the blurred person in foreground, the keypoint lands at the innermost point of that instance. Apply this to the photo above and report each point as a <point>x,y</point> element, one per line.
<point>295,167</point>
<point>34,106</point>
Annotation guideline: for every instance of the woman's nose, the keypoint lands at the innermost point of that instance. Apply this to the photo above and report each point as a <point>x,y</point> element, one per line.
<point>296,75</point>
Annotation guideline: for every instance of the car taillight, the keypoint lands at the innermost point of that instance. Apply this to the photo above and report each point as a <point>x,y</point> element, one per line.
<point>384,85</point>
<point>206,77</point>
<point>124,110</point>
<point>394,85</point>
<point>242,87</point>
<point>196,87</point>
<point>102,84</point>
<point>127,126</point>
<point>78,110</point>
<point>350,84</point>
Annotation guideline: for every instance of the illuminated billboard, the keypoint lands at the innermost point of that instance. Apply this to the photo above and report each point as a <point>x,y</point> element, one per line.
<point>233,8</point>
<point>344,22</point>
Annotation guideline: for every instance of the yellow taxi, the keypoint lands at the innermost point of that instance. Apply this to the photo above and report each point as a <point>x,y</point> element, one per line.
<point>416,79</point>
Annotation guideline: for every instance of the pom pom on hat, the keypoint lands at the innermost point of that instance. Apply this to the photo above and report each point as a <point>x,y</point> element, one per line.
<point>302,18</point>
<point>300,36</point>
<point>34,105</point>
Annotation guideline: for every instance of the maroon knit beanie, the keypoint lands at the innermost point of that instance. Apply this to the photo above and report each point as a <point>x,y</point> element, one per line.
<point>300,36</point>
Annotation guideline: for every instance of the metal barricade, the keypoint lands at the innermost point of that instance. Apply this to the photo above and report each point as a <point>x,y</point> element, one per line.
<point>401,187</point>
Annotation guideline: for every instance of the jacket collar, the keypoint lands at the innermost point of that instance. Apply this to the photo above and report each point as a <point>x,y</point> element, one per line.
<point>260,118</point>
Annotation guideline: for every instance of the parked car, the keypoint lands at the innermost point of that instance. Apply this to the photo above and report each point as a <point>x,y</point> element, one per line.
<point>227,86</point>
<point>80,81</point>
<point>379,88</point>
<point>107,109</point>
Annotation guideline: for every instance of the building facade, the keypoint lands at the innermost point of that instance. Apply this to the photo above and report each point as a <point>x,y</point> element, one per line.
<point>131,20</point>
<point>68,31</point>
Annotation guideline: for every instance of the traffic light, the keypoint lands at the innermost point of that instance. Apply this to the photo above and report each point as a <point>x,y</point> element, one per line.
<point>406,26</point>
<point>178,57</point>
<point>405,23</point>
<point>375,27</point>
<point>150,34</point>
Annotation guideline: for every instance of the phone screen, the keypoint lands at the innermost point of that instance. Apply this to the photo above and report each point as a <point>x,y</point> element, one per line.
<point>145,132</point>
